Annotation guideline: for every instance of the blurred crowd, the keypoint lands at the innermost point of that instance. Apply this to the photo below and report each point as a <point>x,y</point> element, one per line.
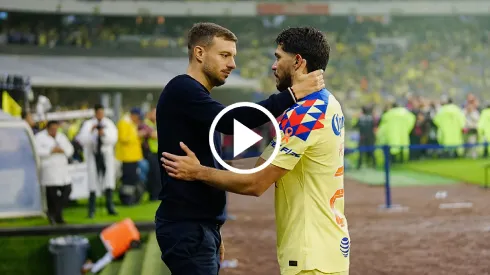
<point>372,57</point>
<point>433,71</point>
<point>421,121</point>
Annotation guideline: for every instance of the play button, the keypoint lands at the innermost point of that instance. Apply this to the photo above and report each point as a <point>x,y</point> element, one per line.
<point>244,138</point>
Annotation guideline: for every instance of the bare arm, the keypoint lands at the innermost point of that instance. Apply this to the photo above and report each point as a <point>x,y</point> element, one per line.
<point>245,163</point>
<point>188,168</point>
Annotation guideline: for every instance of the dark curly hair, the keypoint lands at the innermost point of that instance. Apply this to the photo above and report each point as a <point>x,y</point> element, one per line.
<point>308,42</point>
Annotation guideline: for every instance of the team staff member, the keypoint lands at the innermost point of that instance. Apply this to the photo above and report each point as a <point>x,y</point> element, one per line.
<point>191,214</point>
<point>484,128</point>
<point>55,149</point>
<point>312,232</point>
<point>98,137</point>
<point>450,122</point>
<point>129,152</point>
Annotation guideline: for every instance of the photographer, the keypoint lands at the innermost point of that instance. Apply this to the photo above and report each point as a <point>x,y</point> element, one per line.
<point>98,137</point>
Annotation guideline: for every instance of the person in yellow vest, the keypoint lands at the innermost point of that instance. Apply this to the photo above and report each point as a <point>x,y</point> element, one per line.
<point>450,122</point>
<point>74,128</point>
<point>151,155</point>
<point>484,128</point>
<point>129,153</point>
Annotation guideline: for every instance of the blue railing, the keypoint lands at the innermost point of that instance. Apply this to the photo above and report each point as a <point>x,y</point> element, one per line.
<point>387,159</point>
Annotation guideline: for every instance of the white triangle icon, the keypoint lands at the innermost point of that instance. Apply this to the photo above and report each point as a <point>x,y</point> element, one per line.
<point>243,138</point>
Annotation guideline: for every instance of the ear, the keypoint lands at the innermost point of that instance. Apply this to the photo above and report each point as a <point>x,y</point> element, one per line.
<point>298,61</point>
<point>199,53</point>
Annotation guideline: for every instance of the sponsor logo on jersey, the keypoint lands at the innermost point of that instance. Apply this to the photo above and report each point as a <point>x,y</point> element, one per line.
<point>345,247</point>
<point>337,124</point>
<point>286,150</point>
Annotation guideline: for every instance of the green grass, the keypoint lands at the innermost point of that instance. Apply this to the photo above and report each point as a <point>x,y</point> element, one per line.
<point>17,251</point>
<point>133,261</point>
<point>77,214</point>
<point>152,263</point>
<point>398,177</point>
<point>112,269</point>
<point>466,170</point>
<point>30,255</point>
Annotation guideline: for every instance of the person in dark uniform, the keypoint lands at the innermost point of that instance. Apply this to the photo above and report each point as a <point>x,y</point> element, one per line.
<point>366,125</point>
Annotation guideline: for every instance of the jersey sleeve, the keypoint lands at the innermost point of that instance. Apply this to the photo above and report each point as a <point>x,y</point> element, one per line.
<point>289,153</point>
<point>294,142</point>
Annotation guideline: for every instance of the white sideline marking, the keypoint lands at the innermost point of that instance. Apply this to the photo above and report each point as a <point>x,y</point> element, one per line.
<point>395,208</point>
<point>455,205</point>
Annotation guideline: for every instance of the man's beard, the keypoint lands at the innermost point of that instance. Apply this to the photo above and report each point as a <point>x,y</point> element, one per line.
<point>214,80</point>
<point>284,83</point>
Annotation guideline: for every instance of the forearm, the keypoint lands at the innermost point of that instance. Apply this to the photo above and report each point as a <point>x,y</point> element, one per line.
<point>276,104</point>
<point>245,163</point>
<point>228,181</point>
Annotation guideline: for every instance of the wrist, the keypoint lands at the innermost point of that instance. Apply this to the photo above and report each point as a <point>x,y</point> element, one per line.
<point>201,173</point>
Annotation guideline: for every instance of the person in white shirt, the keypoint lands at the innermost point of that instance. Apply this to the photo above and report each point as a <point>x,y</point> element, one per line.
<point>54,149</point>
<point>98,137</point>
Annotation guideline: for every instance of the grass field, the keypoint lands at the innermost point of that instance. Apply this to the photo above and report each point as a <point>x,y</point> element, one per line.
<point>465,170</point>
<point>16,250</point>
<point>398,177</point>
<point>77,214</point>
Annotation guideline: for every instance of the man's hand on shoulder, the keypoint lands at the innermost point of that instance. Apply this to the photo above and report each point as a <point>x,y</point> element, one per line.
<point>305,84</point>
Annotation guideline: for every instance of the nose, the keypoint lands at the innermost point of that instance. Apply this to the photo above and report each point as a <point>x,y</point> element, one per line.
<point>231,65</point>
<point>274,66</point>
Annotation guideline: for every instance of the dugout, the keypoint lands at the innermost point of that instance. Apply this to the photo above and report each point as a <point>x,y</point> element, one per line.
<point>21,194</point>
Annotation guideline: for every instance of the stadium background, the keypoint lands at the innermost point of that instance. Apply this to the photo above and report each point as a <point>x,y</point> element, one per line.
<point>77,52</point>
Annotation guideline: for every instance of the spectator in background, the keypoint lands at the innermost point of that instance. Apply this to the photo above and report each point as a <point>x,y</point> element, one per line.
<point>98,137</point>
<point>54,149</point>
<point>145,132</point>
<point>471,133</point>
<point>432,137</point>
<point>129,153</point>
<point>419,135</point>
<point>151,155</point>
<point>366,125</point>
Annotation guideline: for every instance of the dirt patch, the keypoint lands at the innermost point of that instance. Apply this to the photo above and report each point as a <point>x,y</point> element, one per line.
<point>423,240</point>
